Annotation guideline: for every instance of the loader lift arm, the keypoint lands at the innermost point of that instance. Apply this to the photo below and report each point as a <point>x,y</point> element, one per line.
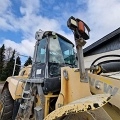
<point>81,33</point>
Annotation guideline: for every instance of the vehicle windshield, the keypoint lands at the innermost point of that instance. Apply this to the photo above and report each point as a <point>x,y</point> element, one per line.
<point>61,51</point>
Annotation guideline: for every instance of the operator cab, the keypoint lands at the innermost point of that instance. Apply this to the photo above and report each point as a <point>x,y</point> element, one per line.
<point>52,51</point>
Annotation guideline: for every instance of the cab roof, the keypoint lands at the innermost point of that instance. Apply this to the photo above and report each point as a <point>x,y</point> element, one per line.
<point>49,33</point>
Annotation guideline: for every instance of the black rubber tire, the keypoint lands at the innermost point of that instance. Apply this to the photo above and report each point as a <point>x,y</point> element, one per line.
<point>7,105</point>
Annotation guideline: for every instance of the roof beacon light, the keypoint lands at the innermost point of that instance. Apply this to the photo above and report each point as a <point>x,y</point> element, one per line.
<point>79,27</point>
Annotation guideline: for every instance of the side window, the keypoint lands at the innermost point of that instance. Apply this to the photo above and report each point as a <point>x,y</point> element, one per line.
<point>41,51</point>
<point>66,53</point>
<point>67,56</point>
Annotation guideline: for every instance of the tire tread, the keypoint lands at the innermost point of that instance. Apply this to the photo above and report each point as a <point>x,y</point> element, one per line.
<point>8,104</point>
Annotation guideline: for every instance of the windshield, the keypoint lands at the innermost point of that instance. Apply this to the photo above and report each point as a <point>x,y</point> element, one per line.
<point>41,51</point>
<point>61,51</point>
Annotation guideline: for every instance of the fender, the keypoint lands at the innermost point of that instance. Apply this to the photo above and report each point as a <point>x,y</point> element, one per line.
<point>15,85</point>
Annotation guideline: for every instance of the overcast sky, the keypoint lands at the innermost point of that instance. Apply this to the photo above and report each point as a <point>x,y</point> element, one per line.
<point>20,19</point>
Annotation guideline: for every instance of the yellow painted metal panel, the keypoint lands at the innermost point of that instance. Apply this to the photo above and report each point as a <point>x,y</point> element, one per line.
<point>84,104</point>
<point>15,86</point>
<point>101,84</point>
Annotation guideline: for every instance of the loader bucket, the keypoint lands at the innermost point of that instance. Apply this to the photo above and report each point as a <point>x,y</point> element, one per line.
<point>83,105</point>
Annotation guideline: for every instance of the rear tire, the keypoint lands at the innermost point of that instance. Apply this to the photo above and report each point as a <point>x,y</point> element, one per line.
<point>6,104</point>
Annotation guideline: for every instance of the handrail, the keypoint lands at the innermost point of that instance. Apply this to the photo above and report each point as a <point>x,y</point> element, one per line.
<point>17,64</point>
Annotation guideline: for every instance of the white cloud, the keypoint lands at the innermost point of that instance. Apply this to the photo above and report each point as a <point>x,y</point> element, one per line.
<point>4,6</point>
<point>29,23</point>
<point>50,2</point>
<point>4,25</point>
<point>30,7</point>
<point>102,16</point>
<point>26,47</point>
<point>5,13</point>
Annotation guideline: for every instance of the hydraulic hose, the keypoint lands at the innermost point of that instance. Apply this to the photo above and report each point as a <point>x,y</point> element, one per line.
<point>106,66</point>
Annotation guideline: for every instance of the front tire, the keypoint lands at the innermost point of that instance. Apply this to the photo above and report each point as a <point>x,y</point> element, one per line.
<point>6,105</point>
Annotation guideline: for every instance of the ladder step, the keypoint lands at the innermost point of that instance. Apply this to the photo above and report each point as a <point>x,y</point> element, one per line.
<point>26,92</point>
<point>26,95</point>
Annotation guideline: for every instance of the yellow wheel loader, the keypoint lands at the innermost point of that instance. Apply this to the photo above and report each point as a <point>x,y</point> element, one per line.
<point>58,89</point>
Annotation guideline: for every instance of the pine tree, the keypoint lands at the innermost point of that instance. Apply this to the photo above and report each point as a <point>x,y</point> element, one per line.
<point>2,58</point>
<point>28,62</point>
<point>8,70</point>
<point>17,68</point>
<point>8,53</point>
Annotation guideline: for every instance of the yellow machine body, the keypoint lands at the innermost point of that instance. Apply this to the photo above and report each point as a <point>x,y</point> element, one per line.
<point>81,95</point>
<point>75,98</point>
<point>76,101</point>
